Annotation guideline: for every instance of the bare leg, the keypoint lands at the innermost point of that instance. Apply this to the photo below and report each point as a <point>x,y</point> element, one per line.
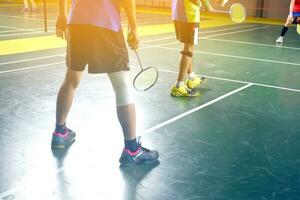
<point>127,119</point>
<point>33,4</point>
<point>25,3</point>
<point>288,22</point>
<point>185,65</point>
<point>65,95</point>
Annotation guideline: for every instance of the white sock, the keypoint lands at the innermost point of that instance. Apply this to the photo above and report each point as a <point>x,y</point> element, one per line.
<point>191,76</point>
<point>179,84</point>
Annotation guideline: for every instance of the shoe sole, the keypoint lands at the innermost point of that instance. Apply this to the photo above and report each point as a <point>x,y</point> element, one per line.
<point>61,147</point>
<point>136,164</point>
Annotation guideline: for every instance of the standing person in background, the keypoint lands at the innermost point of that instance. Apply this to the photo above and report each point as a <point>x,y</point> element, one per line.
<point>293,18</point>
<point>26,6</point>
<point>186,18</point>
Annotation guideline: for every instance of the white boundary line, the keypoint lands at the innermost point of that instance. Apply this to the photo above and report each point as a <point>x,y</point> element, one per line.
<point>31,59</point>
<point>15,189</point>
<point>250,43</point>
<point>25,18</point>
<point>238,81</point>
<point>204,37</point>
<point>140,48</point>
<point>28,68</point>
<point>227,55</point>
<point>28,33</point>
<point>201,32</point>
<point>241,31</point>
<point>195,109</point>
<point>15,28</point>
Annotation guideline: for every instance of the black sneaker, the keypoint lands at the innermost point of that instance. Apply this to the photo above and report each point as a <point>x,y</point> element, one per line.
<point>140,156</point>
<point>63,140</point>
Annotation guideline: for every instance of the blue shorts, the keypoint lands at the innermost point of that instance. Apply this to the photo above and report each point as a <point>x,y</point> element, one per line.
<point>296,14</point>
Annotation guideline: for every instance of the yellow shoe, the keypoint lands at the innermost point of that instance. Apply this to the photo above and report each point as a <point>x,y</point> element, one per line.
<point>298,28</point>
<point>196,82</point>
<point>183,91</point>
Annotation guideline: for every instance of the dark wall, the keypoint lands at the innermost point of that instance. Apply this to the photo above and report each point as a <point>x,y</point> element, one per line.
<point>276,8</point>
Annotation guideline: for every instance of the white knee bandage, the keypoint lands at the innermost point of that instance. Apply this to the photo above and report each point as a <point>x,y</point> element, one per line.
<point>122,86</point>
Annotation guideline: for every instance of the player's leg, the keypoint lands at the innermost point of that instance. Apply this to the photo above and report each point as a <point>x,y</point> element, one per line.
<point>193,81</point>
<point>66,94</point>
<point>26,6</point>
<point>185,65</point>
<point>284,30</point>
<point>77,58</point>
<point>33,5</point>
<point>133,153</point>
<point>185,34</point>
<point>62,136</point>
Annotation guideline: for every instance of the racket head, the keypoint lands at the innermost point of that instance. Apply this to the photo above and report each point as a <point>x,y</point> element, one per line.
<point>238,13</point>
<point>145,79</point>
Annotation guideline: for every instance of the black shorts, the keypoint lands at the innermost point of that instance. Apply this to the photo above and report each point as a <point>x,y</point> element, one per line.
<point>103,50</point>
<point>187,32</point>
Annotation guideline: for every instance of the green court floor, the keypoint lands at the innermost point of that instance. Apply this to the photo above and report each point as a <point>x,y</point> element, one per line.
<point>238,141</point>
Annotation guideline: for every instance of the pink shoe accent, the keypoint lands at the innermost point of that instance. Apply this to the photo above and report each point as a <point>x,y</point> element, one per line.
<point>133,153</point>
<point>64,136</point>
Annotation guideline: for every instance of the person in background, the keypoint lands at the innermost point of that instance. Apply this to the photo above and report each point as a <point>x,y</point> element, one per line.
<point>293,18</point>
<point>186,18</point>
<point>26,7</point>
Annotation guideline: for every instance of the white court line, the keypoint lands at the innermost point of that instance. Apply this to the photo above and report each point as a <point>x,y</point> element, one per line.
<point>227,55</point>
<point>238,81</point>
<point>250,43</point>
<point>21,29</point>
<point>201,32</point>
<point>11,62</point>
<point>204,37</point>
<point>25,18</point>
<point>28,68</point>
<point>160,125</point>
<point>28,33</point>
<point>195,109</point>
<point>13,31</point>
<point>31,59</point>
<point>242,31</point>
<point>9,192</point>
<point>21,186</point>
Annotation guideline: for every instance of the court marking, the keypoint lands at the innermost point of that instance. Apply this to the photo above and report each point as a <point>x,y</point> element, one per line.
<point>25,18</point>
<point>200,32</point>
<point>187,113</point>
<point>13,31</point>
<point>28,33</point>
<point>31,59</point>
<point>250,43</point>
<point>227,33</point>
<point>237,81</point>
<point>162,46</point>
<point>195,109</point>
<point>241,31</point>
<point>160,125</point>
<point>146,41</point>
<point>32,67</point>
<point>21,29</point>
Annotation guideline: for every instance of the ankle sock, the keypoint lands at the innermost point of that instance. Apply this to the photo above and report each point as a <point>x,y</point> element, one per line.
<point>284,30</point>
<point>61,128</point>
<point>179,84</point>
<point>131,145</point>
<point>191,76</point>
